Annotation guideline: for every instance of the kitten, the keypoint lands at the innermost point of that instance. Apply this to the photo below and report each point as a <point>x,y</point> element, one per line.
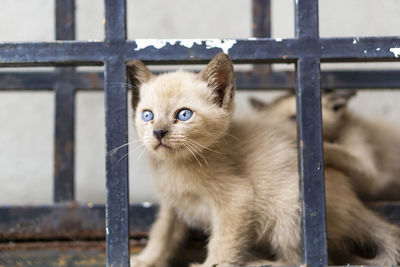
<point>366,150</point>
<point>236,179</point>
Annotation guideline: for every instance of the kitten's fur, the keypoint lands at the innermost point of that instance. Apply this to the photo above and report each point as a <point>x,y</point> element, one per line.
<point>236,179</point>
<point>366,150</point>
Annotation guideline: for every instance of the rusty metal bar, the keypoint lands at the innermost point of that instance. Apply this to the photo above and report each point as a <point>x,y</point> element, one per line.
<point>262,28</point>
<point>64,111</point>
<point>87,221</point>
<point>67,222</point>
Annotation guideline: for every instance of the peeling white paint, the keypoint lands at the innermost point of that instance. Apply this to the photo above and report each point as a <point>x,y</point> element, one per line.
<point>395,51</point>
<point>190,42</point>
<point>107,232</point>
<point>225,45</point>
<point>156,43</point>
<point>356,40</point>
<point>278,39</point>
<point>365,51</point>
<point>147,204</point>
<point>378,49</point>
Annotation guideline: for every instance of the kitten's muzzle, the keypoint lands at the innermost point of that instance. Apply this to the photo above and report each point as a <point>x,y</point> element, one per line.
<point>159,134</point>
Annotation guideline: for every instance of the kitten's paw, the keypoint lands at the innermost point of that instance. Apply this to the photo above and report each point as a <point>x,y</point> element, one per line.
<point>137,262</point>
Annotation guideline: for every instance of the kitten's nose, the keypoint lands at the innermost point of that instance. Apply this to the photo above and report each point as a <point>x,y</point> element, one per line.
<point>159,134</point>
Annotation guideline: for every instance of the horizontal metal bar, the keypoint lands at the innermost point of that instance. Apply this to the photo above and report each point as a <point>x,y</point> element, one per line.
<point>53,53</point>
<point>196,51</point>
<point>47,80</point>
<point>86,221</point>
<point>67,221</point>
<point>368,79</point>
<point>153,51</point>
<point>360,49</point>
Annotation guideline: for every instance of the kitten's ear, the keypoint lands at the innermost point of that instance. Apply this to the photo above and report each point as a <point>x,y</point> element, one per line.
<point>338,99</point>
<point>138,73</point>
<point>257,104</point>
<point>219,76</point>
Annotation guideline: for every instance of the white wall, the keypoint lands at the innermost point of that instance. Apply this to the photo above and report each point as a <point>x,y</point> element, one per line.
<point>26,119</point>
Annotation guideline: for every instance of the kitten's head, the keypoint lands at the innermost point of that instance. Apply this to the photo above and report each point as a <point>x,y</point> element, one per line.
<point>333,103</point>
<point>179,114</point>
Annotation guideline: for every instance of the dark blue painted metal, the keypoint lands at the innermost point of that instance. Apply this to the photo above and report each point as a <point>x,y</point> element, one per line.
<point>64,142</point>
<point>117,212</point>
<point>360,49</point>
<point>46,81</point>
<point>309,137</point>
<point>261,18</point>
<point>65,19</point>
<point>115,20</point>
<point>260,50</point>
<point>262,28</point>
<point>94,81</point>
<point>64,111</point>
<point>117,179</point>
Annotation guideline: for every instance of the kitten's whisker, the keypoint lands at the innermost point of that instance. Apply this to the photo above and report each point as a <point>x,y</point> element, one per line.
<point>132,150</point>
<point>195,149</point>
<point>226,134</point>
<point>187,147</point>
<point>140,155</point>
<point>197,143</point>
<point>121,84</point>
<point>114,150</point>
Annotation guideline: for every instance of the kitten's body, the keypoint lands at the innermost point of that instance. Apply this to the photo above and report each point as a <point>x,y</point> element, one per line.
<point>236,179</point>
<point>366,150</point>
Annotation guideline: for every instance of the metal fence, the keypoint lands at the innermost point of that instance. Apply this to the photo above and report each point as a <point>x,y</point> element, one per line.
<point>306,50</point>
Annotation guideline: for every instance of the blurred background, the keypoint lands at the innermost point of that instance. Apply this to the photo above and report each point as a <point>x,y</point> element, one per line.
<point>27,118</point>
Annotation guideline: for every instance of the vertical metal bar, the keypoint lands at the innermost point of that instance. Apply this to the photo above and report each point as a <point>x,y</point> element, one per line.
<point>307,25</point>
<point>115,20</point>
<point>117,206</point>
<point>309,135</point>
<point>262,27</point>
<point>64,111</point>
<point>64,143</point>
<point>65,19</point>
<point>262,18</point>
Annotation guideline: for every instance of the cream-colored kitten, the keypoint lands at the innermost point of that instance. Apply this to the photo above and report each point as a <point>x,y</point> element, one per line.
<point>366,150</point>
<point>236,179</point>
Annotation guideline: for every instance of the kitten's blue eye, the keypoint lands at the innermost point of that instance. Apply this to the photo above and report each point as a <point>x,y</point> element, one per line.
<point>147,115</point>
<point>184,114</point>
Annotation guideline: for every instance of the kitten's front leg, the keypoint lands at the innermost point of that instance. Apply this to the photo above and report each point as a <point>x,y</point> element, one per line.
<point>363,176</point>
<point>230,235</point>
<point>165,236</point>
